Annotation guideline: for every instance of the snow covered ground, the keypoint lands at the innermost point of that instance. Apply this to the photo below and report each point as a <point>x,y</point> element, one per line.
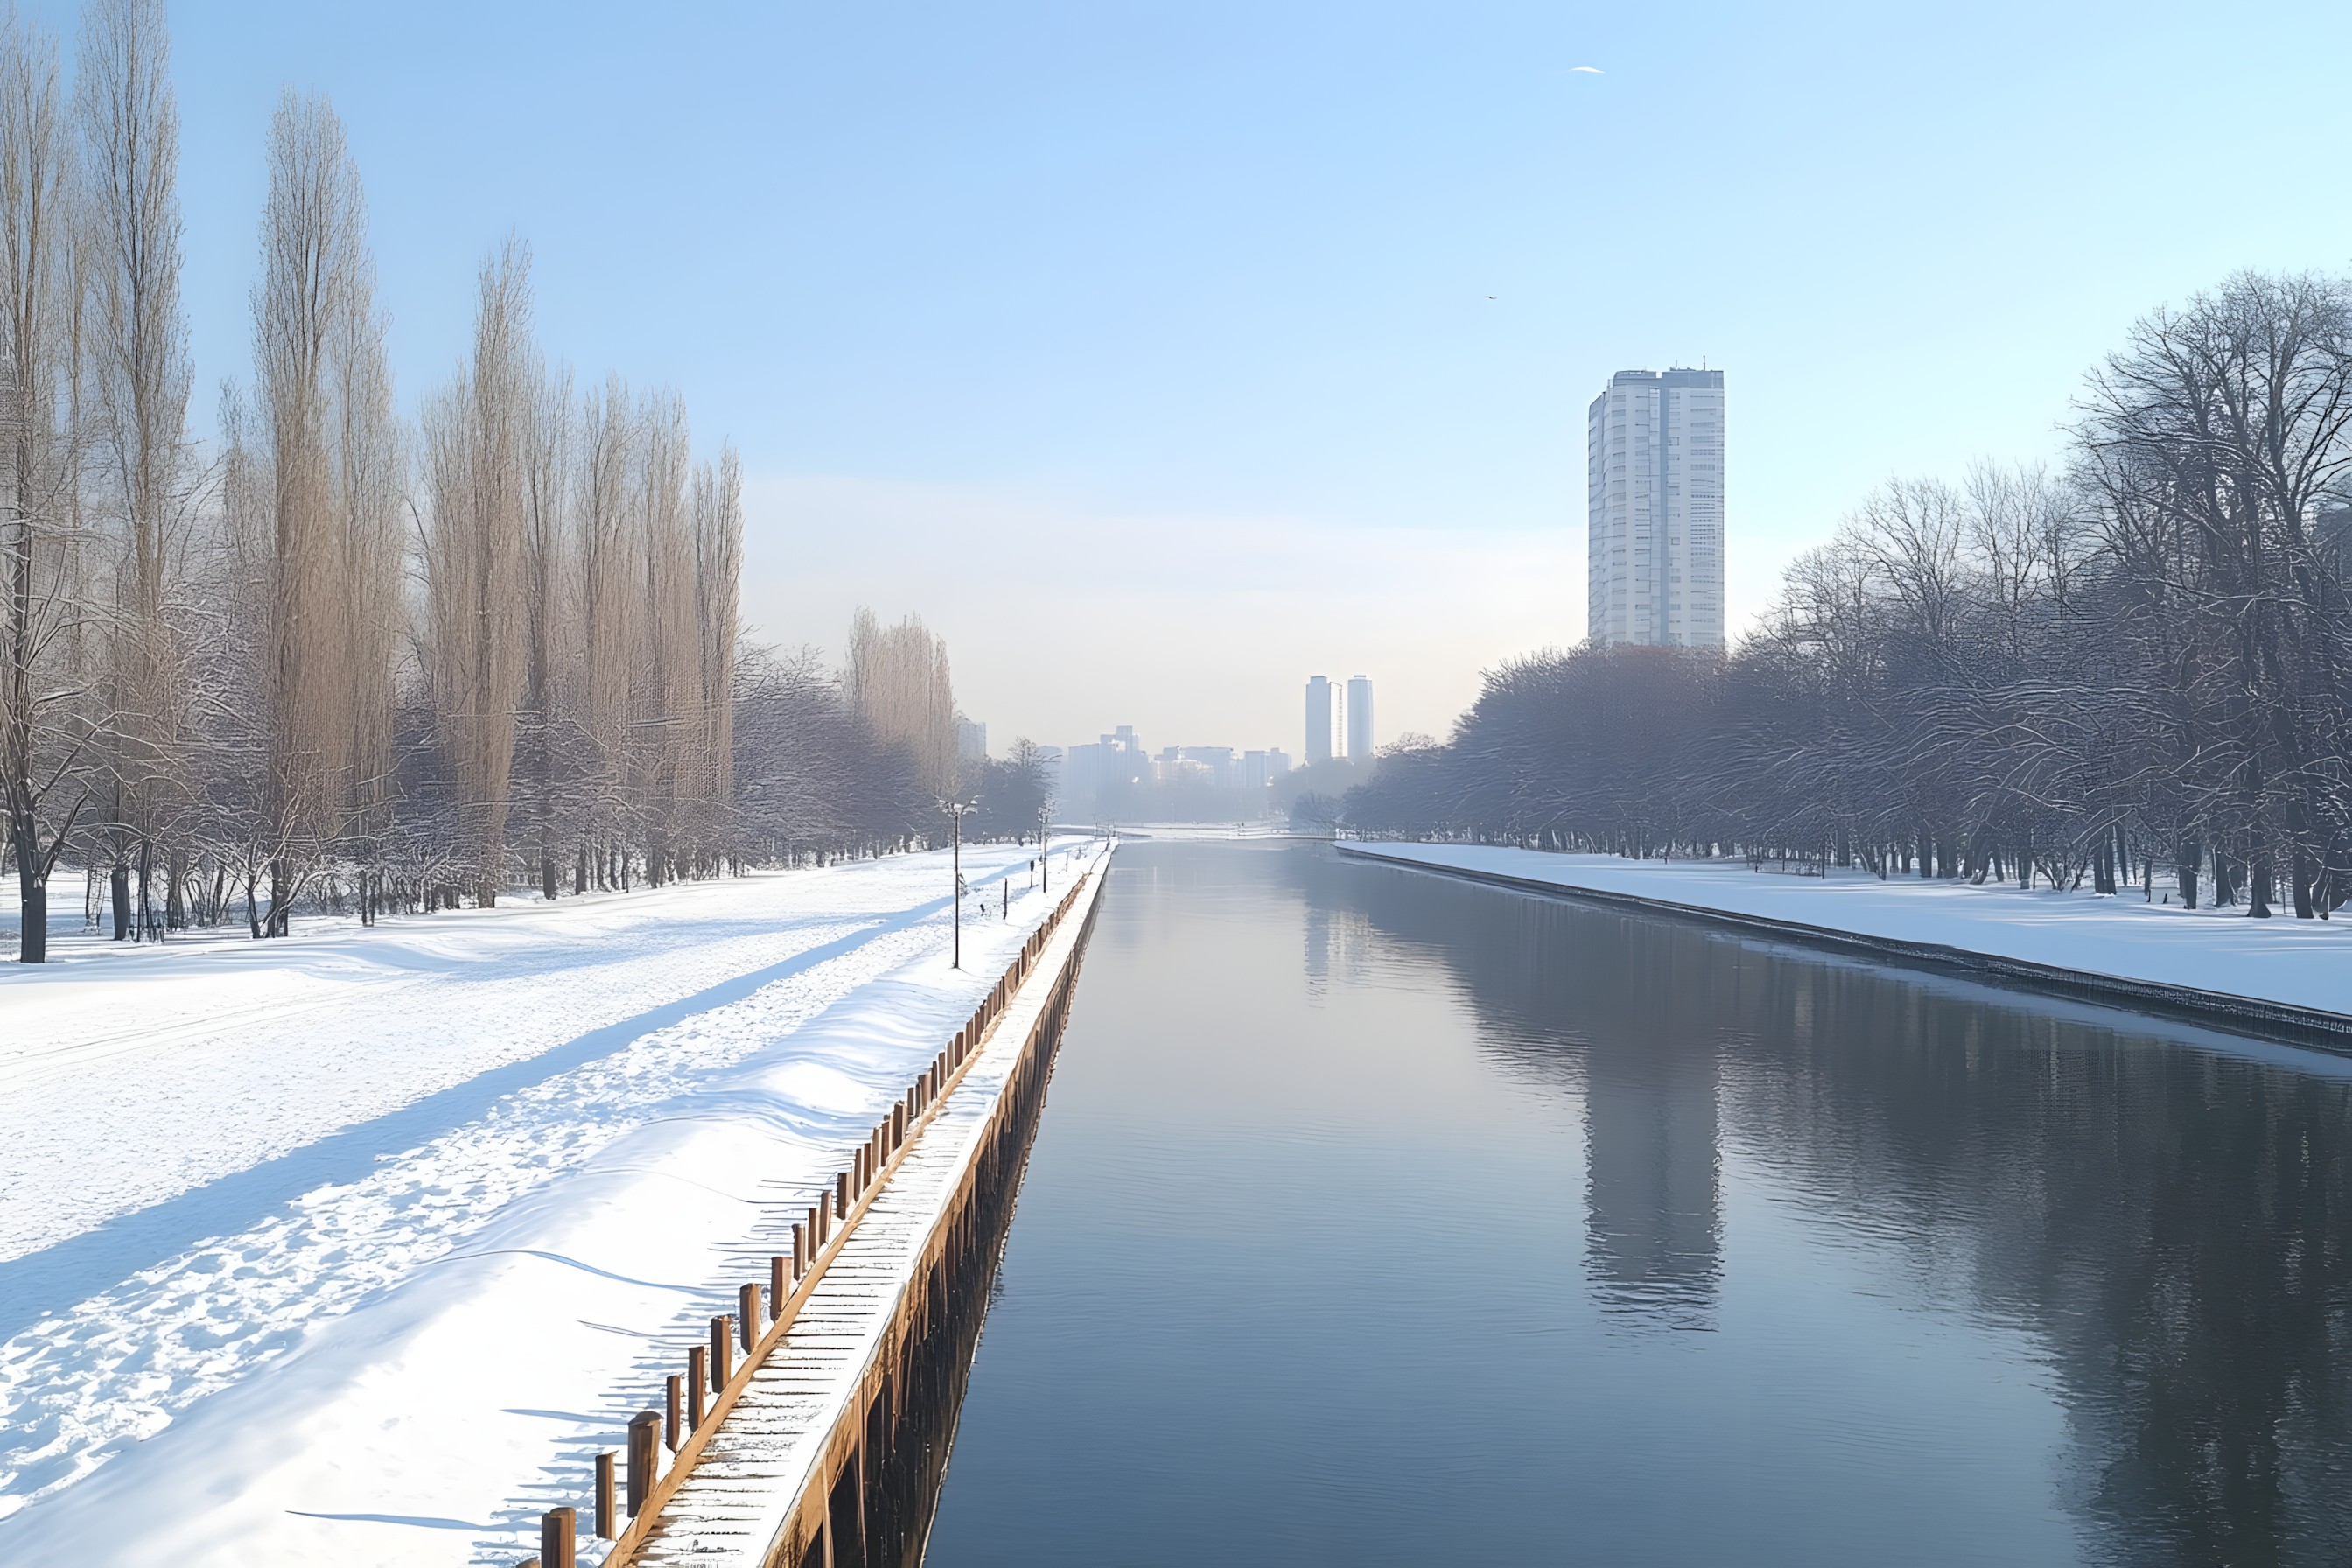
<point>357,1245</point>
<point>2301,963</point>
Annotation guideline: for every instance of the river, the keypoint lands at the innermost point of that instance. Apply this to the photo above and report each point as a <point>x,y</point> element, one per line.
<point>1380,1217</point>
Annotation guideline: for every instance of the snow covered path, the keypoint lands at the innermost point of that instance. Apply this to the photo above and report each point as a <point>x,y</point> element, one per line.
<point>216,1153</point>
<point>2297,964</point>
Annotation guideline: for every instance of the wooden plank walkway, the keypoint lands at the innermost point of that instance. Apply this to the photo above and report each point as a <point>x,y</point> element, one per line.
<point>749,1498</point>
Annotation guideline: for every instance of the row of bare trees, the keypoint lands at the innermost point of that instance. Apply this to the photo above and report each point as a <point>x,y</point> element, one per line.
<point>2132,668</point>
<point>349,658</point>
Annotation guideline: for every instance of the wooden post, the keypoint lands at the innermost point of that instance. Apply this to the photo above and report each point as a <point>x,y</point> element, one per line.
<point>645,1427</point>
<point>555,1531</point>
<point>671,1413</point>
<point>779,1281</point>
<point>747,1311</point>
<point>607,1527</point>
<point>841,1194</point>
<point>698,1379</point>
<point>800,1247</point>
<point>722,1332</point>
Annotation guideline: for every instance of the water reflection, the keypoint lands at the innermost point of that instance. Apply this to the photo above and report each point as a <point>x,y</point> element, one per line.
<point>1337,945</point>
<point>2165,1212</point>
<point>1380,1218</point>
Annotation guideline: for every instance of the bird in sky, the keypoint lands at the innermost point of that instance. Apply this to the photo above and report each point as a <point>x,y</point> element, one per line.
<point>1588,70</point>
<point>1490,296</point>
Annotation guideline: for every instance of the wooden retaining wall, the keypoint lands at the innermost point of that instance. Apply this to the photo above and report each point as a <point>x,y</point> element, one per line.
<point>864,1497</point>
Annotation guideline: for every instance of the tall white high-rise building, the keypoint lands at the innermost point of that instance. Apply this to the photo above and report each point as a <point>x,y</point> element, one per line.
<point>1654,544</point>
<point>1360,717</point>
<point>1326,719</point>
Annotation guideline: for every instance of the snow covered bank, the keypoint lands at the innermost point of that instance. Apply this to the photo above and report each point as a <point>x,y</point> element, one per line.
<point>402,1263</point>
<point>2294,977</point>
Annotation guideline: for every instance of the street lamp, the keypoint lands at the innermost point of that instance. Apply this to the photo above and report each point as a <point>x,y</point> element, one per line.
<point>1044,825</point>
<point>955,810</point>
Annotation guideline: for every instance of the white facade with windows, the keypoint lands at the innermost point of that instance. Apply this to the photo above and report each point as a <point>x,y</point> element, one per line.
<point>1327,718</point>
<point>1655,508</point>
<point>1358,714</point>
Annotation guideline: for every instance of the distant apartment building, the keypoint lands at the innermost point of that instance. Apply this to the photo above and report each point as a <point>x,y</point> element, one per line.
<point>1224,765</point>
<point>971,740</point>
<point>1260,769</point>
<point>1081,778</point>
<point>1655,508</point>
<point>1360,717</point>
<point>1326,719</point>
<point>1113,762</point>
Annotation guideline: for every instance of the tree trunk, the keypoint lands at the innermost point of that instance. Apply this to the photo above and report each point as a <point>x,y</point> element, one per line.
<point>33,902</point>
<point>118,897</point>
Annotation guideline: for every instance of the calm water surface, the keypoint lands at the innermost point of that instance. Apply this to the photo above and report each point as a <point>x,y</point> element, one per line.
<point>1383,1218</point>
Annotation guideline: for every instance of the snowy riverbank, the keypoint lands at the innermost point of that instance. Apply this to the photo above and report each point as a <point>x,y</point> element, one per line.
<point>2291,964</point>
<point>358,1247</point>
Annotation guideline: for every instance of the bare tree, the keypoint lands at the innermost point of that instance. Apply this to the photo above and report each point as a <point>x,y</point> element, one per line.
<point>610,611</point>
<point>139,379</point>
<point>314,268</point>
<point>370,461</point>
<point>47,728</point>
<point>550,627</point>
<point>476,436</point>
<point>667,704</point>
<point>718,519</point>
<point>897,681</point>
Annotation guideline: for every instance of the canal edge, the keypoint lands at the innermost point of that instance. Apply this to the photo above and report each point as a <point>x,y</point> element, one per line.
<point>1013,1033</point>
<point>2278,1023</point>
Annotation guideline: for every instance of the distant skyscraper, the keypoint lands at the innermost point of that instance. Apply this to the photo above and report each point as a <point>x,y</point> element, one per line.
<point>1655,508</point>
<point>1360,717</point>
<point>971,740</point>
<point>1327,734</point>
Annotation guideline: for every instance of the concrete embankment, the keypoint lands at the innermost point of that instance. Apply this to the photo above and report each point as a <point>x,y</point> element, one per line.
<point>2285,981</point>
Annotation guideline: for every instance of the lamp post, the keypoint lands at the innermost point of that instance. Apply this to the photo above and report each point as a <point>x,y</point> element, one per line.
<point>1044,822</point>
<point>955,810</point>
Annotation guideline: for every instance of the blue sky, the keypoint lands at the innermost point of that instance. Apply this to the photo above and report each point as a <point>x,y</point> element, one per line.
<point>1146,350</point>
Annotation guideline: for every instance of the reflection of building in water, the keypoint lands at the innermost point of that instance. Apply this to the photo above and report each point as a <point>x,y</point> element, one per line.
<point>1653,1212</point>
<point>1338,942</point>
